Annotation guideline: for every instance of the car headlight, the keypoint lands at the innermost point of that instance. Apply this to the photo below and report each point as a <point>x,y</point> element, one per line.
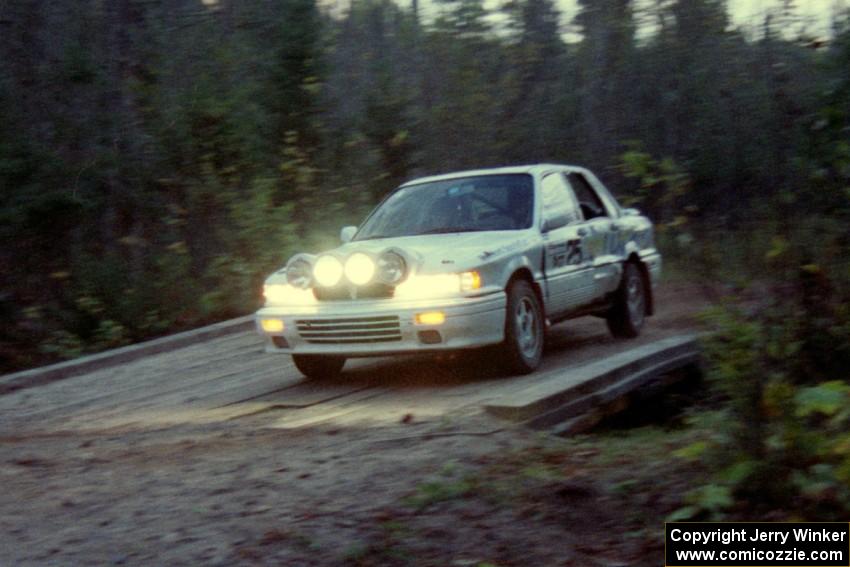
<point>328,270</point>
<point>285,294</point>
<point>437,285</point>
<point>359,268</point>
<point>299,273</point>
<point>391,268</point>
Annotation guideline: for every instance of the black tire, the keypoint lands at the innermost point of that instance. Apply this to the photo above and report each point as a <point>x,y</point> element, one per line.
<point>524,329</point>
<point>627,315</point>
<point>318,365</point>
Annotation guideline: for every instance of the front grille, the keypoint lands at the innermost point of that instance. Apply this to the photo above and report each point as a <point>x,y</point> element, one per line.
<point>355,330</point>
<point>347,292</point>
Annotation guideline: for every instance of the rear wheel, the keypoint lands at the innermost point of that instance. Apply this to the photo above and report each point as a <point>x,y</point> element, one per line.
<point>523,346</point>
<point>318,365</point>
<point>626,317</point>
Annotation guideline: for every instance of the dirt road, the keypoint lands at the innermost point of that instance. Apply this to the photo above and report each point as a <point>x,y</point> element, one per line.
<point>220,454</point>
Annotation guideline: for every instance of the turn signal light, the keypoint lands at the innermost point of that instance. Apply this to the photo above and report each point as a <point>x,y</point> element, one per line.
<point>272,325</point>
<point>470,281</point>
<point>431,318</point>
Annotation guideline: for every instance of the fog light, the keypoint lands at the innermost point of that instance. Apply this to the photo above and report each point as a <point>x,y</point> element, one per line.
<point>430,337</point>
<point>272,325</point>
<point>431,318</point>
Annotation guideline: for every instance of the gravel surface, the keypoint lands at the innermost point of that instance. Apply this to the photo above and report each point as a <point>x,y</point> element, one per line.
<point>220,454</point>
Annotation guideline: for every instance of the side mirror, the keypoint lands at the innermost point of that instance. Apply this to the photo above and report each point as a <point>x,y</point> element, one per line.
<point>630,212</point>
<point>347,233</point>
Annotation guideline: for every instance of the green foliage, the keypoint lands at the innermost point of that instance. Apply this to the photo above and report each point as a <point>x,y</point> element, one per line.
<point>711,498</point>
<point>784,444</point>
<point>260,235</point>
<point>692,451</point>
<point>450,485</point>
<point>63,344</point>
<point>662,190</point>
<point>429,493</point>
<point>830,399</point>
<point>662,184</point>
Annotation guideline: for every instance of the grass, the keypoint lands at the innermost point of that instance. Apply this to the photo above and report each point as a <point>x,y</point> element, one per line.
<point>432,492</point>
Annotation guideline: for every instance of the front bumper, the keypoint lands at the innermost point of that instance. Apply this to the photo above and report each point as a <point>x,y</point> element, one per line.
<point>379,327</point>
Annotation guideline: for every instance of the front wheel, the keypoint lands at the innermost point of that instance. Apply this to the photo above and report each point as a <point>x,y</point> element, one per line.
<point>626,317</point>
<point>523,346</point>
<point>318,366</point>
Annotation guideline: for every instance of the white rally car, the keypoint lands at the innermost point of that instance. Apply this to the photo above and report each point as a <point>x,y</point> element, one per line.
<point>465,260</point>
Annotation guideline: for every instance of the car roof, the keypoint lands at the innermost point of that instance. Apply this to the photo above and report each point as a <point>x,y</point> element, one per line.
<point>528,169</point>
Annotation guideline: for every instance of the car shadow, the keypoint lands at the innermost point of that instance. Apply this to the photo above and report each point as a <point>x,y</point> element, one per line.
<point>563,342</point>
<point>421,371</point>
<point>575,335</point>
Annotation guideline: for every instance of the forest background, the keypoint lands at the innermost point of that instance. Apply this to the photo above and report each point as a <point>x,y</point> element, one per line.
<point>159,158</point>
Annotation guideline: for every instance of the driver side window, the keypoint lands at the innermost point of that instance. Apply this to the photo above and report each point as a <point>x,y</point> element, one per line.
<point>589,202</point>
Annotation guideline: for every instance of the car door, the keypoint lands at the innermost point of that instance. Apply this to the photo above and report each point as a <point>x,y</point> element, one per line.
<point>602,239</point>
<point>567,268</point>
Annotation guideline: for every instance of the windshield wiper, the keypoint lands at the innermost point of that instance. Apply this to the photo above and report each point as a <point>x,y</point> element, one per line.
<point>376,237</point>
<point>444,230</point>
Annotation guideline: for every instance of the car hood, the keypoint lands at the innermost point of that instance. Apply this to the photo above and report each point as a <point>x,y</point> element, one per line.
<point>435,253</point>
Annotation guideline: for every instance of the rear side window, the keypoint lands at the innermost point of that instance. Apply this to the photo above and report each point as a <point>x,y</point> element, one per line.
<point>589,202</point>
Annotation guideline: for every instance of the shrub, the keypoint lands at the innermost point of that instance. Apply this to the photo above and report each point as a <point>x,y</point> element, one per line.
<point>784,445</point>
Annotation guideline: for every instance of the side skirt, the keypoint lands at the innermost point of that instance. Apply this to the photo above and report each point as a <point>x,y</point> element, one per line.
<point>598,308</point>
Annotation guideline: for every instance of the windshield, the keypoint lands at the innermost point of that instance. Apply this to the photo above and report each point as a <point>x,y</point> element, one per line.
<point>466,204</point>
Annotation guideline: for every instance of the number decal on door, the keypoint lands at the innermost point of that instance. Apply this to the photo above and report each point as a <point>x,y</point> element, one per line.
<point>575,254</point>
<point>569,253</point>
